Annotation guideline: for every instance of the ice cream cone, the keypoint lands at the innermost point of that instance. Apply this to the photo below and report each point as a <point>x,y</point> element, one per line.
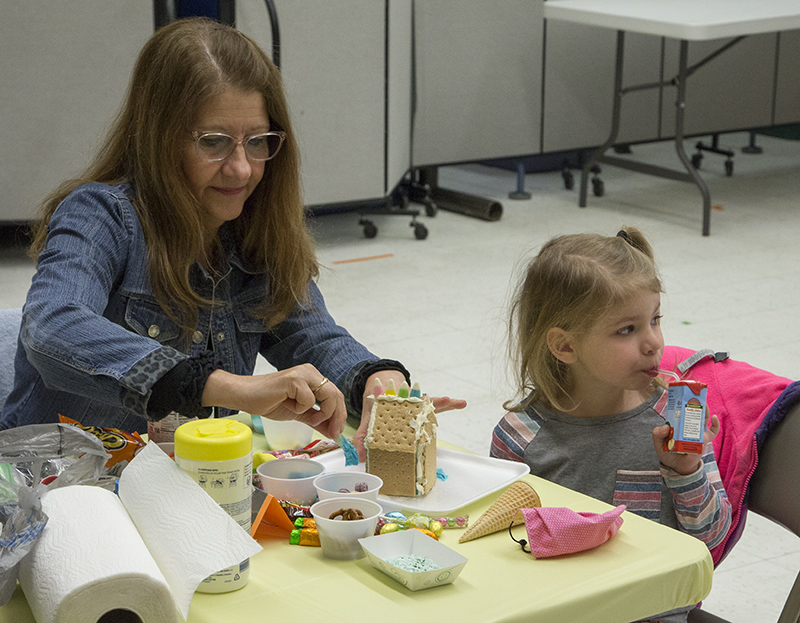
<point>504,511</point>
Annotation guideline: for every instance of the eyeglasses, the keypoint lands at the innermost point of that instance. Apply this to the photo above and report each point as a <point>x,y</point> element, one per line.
<point>215,146</point>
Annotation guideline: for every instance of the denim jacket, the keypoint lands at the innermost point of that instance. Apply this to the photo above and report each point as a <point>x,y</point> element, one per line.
<point>94,340</point>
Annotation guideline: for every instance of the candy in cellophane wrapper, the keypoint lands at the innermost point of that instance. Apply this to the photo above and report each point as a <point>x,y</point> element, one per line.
<point>432,526</point>
<point>121,445</point>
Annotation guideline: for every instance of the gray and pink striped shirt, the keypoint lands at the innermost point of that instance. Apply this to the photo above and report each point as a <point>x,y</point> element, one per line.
<point>611,458</point>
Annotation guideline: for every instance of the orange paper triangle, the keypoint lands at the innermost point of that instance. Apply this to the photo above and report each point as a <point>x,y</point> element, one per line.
<point>271,521</point>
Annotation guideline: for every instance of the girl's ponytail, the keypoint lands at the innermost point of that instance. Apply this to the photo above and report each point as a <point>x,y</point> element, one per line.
<point>636,239</point>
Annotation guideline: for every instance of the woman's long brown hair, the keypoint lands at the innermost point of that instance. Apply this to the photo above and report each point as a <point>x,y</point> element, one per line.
<point>182,66</point>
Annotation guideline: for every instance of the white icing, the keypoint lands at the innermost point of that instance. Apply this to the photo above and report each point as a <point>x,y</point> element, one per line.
<point>391,398</point>
<point>420,481</point>
<point>423,439</point>
<point>369,438</point>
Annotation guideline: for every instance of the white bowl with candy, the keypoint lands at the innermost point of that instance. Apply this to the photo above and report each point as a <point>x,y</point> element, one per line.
<point>413,559</point>
<point>341,522</point>
<point>347,484</point>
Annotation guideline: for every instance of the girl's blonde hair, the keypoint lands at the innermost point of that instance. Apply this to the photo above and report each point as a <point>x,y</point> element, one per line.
<point>571,284</point>
<point>184,65</point>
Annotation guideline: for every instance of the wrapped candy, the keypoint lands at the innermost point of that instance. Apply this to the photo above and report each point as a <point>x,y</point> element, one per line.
<point>427,532</point>
<point>387,528</point>
<point>293,511</point>
<point>461,521</point>
<point>395,520</point>
<point>436,528</point>
<point>304,536</point>
<point>419,521</point>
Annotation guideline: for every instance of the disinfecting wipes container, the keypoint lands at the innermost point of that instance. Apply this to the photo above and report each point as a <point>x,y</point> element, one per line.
<point>216,453</point>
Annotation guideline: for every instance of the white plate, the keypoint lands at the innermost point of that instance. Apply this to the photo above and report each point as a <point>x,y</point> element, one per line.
<point>469,478</point>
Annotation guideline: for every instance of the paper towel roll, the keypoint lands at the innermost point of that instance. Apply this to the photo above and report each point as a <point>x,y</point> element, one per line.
<point>187,532</point>
<point>91,560</point>
<point>146,551</point>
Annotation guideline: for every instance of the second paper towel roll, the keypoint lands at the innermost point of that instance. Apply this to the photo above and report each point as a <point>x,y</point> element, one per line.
<point>90,561</point>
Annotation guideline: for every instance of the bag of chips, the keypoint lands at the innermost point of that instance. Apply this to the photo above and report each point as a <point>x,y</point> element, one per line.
<point>120,445</point>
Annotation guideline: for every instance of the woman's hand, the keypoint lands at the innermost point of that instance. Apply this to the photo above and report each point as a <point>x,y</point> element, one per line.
<point>684,464</point>
<point>444,403</point>
<point>300,393</point>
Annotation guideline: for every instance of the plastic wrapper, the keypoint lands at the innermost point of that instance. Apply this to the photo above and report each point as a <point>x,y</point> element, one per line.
<point>33,459</point>
<point>122,446</point>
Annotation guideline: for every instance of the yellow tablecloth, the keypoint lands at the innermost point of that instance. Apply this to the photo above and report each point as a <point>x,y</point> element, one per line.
<point>645,569</point>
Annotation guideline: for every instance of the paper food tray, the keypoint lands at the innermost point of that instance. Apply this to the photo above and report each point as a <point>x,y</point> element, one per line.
<point>381,549</point>
<point>469,478</point>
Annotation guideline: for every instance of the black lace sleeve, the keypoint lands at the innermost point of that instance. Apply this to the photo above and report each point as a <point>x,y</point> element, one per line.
<point>181,389</point>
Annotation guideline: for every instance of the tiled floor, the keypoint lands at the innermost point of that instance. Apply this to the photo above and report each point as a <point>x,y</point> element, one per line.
<point>439,305</point>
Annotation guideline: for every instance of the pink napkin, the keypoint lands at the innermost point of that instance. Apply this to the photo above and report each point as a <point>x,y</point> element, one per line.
<point>557,531</point>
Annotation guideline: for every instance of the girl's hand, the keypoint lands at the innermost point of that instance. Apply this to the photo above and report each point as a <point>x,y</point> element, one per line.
<point>683,463</point>
<point>297,393</point>
<point>440,404</point>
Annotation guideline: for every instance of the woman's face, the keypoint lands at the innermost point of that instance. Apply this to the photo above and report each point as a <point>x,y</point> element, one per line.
<point>223,186</point>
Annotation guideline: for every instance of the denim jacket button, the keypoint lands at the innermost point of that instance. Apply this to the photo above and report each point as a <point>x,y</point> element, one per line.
<point>220,336</point>
<point>153,331</point>
<point>197,337</point>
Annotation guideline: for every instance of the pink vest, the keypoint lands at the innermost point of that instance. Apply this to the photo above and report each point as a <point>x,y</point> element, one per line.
<point>742,397</point>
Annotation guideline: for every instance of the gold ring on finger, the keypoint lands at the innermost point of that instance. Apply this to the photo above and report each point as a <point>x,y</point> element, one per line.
<point>319,387</point>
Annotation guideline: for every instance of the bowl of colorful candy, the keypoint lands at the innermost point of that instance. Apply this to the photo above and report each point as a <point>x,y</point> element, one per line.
<point>413,559</point>
<point>347,484</point>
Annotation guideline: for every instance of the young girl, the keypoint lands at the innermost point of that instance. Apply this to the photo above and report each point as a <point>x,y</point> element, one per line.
<point>586,322</point>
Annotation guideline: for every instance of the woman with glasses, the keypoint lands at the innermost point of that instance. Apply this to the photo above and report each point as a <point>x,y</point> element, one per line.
<point>180,254</point>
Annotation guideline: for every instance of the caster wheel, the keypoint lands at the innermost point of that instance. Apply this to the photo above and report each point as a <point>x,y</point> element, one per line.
<point>420,231</point>
<point>696,160</point>
<point>370,231</point>
<point>569,179</point>
<point>729,167</point>
<point>598,188</point>
<point>430,208</point>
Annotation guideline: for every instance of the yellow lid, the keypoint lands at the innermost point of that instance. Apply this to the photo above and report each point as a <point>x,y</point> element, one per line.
<point>213,440</point>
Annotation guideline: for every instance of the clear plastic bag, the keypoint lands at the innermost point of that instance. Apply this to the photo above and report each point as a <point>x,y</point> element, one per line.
<point>33,459</point>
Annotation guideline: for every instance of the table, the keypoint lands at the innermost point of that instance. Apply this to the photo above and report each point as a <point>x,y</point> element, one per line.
<point>686,20</point>
<point>645,569</point>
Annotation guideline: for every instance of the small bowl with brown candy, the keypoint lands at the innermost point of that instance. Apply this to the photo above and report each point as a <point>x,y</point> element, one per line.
<point>341,521</point>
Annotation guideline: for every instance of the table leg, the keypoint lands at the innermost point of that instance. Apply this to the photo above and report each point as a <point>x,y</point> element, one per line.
<point>615,115</point>
<point>690,174</point>
<point>680,104</point>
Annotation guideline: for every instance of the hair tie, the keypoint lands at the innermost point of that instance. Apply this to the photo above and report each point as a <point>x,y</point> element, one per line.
<point>624,235</point>
<point>521,542</point>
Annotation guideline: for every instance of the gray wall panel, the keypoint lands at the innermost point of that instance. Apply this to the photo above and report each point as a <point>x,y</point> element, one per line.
<point>579,86</point>
<point>787,101</point>
<point>398,156</point>
<point>732,91</point>
<point>64,71</point>
<point>478,68</point>
<point>332,60</point>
